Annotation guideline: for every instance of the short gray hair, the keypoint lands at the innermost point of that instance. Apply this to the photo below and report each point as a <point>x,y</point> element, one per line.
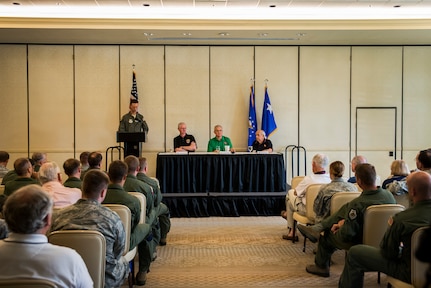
<point>321,160</point>
<point>26,209</point>
<point>48,172</point>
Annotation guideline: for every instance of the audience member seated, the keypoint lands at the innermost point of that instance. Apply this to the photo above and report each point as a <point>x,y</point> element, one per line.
<point>396,182</point>
<point>162,211</point>
<point>50,177</point>
<point>116,195</point>
<point>394,255</point>
<point>219,142</point>
<point>24,170</point>
<point>4,231</point>
<point>72,168</point>
<point>4,159</point>
<point>262,143</point>
<point>344,229</point>
<point>38,158</point>
<point>95,162</point>
<point>10,175</point>
<point>83,158</point>
<point>359,159</point>
<point>184,141</point>
<point>89,214</point>
<point>295,198</point>
<point>423,253</point>
<point>26,253</point>
<point>322,203</point>
<point>423,160</point>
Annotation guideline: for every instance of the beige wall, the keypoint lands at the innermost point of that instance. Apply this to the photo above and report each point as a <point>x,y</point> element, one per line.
<point>65,99</point>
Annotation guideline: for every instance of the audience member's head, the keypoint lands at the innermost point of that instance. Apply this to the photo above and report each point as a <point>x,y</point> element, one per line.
<point>23,167</point>
<point>83,158</point>
<point>48,172</point>
<point>94,185</point>
<point>399,168</point>
<point>366,176</point>
<point>28,210</point>
<point>320,163</point>
<point>117,171</point>
<point>71,166</point>
<point>143,165</point>
<point>336,169</point>
<point>423,160</point>
<point>133,163</point>
<point>358,159</point>
<point>4,157</point>
<point>95,159</point>
<point>419,184</point>
<point>39,158</point>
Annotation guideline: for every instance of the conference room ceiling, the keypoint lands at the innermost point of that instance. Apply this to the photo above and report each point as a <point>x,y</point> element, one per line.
<point>216,22</point>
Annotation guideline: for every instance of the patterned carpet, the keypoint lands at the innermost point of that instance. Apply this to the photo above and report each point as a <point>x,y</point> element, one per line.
<point>238,252</point>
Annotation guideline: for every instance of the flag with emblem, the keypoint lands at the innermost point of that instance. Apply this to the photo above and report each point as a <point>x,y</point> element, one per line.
<point>134,92</point>
<point>252,123</point>
<point>268,120</point>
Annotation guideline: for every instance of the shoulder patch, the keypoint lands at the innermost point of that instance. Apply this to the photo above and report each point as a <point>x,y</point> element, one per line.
<point>353,214</point>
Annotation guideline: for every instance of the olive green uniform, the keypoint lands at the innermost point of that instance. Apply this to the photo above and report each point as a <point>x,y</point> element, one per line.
<point>73,182</point>
<point>17,183</point>
<point>351,232</point>
<point>393,258</point>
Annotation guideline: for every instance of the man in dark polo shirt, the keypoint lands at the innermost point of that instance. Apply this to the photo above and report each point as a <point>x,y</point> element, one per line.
<point>24,170</point>
<point>184,141</point>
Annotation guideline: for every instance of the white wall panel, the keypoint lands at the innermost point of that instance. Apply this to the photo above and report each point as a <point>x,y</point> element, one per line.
<point>231,70</point>
<point>324,101</point>
<point>149,67</point>
<point>280,66</point>
<point>187,93</point>
<point>51,101</point>
<point>417,101</point>
<point>377,82</point>
<point>13,99</point>
<point>97,97</point>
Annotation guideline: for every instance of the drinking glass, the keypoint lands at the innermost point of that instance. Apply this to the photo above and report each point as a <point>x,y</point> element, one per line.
<point>250,148</point>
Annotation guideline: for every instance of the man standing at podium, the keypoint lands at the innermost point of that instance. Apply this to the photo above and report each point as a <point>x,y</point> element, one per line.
<point>133,121</point>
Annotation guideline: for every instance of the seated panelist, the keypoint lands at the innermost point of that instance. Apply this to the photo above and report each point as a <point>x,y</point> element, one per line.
<point>219,142</point>
<point>262,143</point>
<point>184,141</point>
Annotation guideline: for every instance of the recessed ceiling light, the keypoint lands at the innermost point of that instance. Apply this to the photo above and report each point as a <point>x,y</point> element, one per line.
<point>301,34</point>
<point>223,34</point>
<point>148,34</point>
<point>262,34</point>
<point>187,34</point>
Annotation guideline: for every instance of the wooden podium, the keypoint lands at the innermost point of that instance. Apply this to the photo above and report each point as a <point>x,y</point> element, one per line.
<point>132,142</point>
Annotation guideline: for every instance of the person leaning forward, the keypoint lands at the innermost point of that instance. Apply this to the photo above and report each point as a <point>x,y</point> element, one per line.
<point>394,255</point>
<point>344,229</point>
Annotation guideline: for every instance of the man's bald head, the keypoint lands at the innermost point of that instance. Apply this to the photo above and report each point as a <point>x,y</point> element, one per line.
<point>419,185</point>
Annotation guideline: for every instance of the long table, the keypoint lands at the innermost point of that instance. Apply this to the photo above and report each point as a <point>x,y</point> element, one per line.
<point>222,184</point>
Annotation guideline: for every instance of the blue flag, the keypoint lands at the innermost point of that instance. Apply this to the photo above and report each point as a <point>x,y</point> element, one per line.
<point>252,123</point>
<point>268,120</point>
<point>134,92</point>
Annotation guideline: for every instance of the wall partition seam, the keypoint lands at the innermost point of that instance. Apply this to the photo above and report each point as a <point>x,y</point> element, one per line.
<point>209,92</point>
<point>350,105</point>
<point>164,96</point>
<point>74,100</point>
<point>402,104</point>
<point>28,104</point>
<point>119,83</point>
<point>299,94</point>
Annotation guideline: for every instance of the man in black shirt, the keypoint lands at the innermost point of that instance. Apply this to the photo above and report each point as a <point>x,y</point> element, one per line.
<point>184,141</point>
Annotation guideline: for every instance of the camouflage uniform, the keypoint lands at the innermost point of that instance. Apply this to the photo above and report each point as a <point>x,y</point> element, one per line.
<point>351,232</point>
<point>322,204</point>
<point>91,215</point>
<point>394,256</point>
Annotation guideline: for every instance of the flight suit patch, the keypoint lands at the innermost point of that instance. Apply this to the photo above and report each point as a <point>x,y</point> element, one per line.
<point>353,214</point>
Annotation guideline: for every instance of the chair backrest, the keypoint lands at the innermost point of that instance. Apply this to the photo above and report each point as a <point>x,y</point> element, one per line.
<point>22,283</point>
<point>295,181</point>
<point>341,198</point>
<point>157,180</point>
<point>310,196</point>
<point>126,217</point>
<point>419,269</point>
<point>143,200</point>
<point>1,189</point>
<point>91,245</point>
<point>357,186</point>
<point>376,222</point>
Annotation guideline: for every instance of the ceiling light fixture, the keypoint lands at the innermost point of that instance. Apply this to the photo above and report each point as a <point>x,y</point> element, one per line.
<point>187,34</point>
<point>148,34</point>
<point>223,34</point>
<point>262,34</point>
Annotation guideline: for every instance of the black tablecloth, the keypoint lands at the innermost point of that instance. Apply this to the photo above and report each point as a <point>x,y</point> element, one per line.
<point>241,184</point>
<point>240,172</point>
